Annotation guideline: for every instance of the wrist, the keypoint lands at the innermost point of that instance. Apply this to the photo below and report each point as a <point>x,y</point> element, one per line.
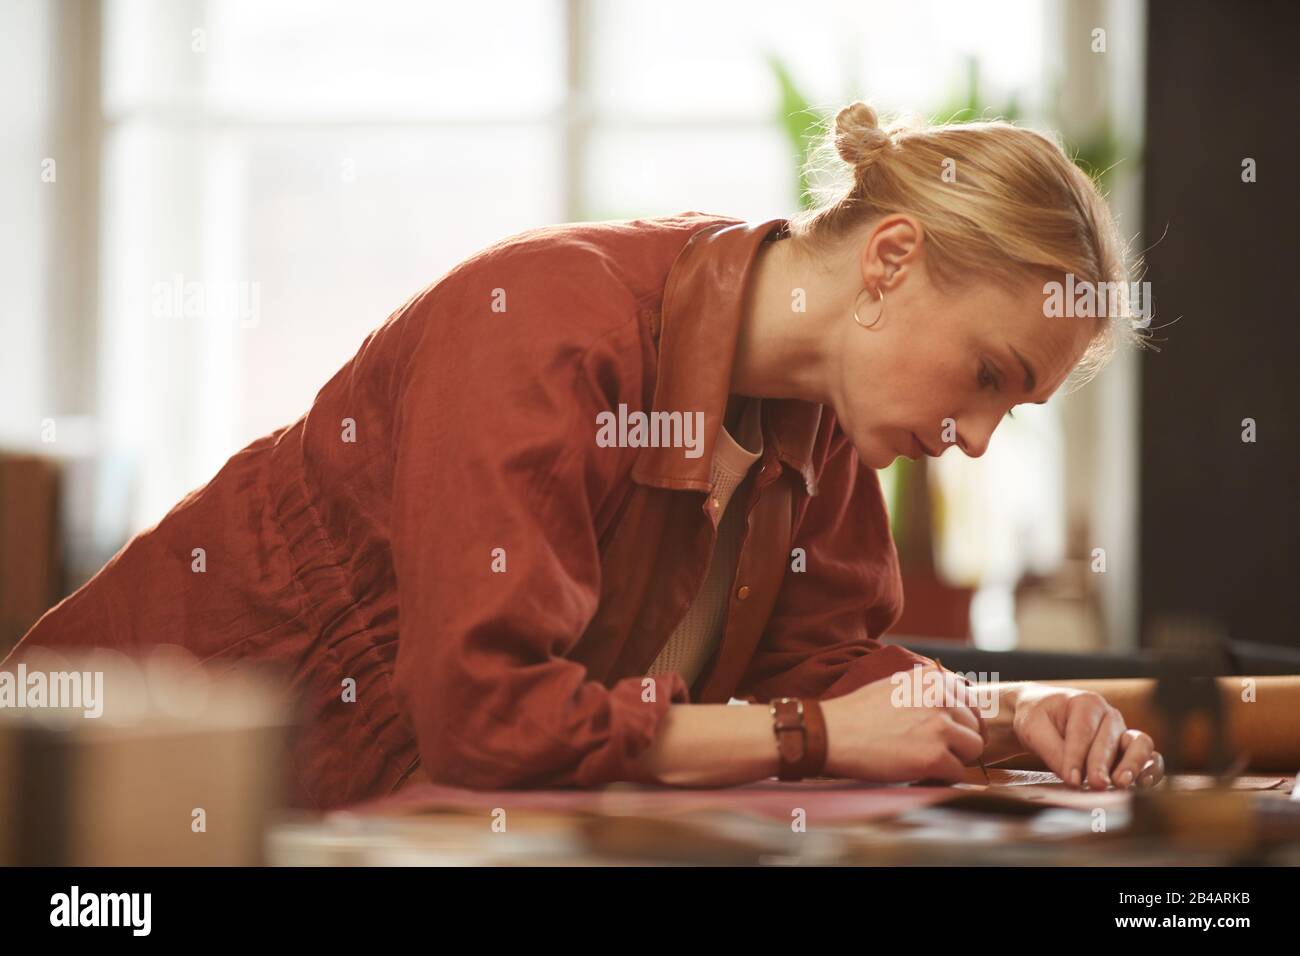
<point>799,728</point>
<point>1000,721</point>
<point>832,716</point>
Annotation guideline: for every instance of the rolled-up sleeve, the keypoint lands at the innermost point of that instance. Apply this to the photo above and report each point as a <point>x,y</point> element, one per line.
<point>497,478</point>
<point>822,639</point>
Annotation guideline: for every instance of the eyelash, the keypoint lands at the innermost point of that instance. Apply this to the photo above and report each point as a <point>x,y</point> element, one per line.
<point>986,378</point>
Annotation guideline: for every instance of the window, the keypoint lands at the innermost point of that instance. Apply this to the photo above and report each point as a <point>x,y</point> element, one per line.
<point>276,178</point>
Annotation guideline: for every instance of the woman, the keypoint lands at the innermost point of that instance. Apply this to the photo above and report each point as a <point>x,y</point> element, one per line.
<point>601,478</point>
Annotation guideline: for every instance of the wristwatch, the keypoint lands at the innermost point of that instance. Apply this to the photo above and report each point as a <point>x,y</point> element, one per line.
<point>800,731</point>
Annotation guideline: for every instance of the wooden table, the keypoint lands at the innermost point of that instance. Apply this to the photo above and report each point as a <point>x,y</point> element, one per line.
<point>1022,818</point>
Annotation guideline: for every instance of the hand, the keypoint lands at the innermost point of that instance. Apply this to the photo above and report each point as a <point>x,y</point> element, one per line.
<point>871,736</point>
<point>1083,739</point>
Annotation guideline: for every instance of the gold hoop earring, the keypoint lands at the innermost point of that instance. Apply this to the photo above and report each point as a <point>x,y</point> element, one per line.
<point>880,297</point>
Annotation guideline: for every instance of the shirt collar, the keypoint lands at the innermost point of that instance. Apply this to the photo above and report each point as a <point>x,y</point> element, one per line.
<point>702,311</point>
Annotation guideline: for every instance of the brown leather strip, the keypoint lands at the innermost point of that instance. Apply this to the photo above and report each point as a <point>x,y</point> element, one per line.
<point>800,730</point>
<point>816,742</point>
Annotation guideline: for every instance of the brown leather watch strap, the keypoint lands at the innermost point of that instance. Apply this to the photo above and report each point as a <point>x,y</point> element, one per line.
<point>800,731</point>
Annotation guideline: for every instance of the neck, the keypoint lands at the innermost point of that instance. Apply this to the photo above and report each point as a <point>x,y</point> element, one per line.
<point>782,352</point>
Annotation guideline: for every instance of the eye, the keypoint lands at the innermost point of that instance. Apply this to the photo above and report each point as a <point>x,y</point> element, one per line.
<point>987,377</point>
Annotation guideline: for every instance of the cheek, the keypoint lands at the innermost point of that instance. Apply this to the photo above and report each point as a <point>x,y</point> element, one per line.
<point>921,388</point>
<point>911,385</point>
<point>942,375</point>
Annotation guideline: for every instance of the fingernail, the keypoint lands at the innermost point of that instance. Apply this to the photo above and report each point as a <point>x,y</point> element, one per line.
<point>1074,777</point>
<point>1105,777</point>
<point>1126,778</point>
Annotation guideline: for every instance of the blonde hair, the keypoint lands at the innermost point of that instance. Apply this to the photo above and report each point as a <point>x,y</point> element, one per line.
<point>994,200</point>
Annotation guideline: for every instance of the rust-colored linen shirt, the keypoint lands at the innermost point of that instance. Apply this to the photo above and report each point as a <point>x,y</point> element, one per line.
<point>495,580</point>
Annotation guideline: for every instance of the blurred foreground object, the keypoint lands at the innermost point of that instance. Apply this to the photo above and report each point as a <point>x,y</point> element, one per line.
<point>109,761</point>
<point>31,575</point>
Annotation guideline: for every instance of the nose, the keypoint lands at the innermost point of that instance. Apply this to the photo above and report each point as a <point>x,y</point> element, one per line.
<point>973,435</point>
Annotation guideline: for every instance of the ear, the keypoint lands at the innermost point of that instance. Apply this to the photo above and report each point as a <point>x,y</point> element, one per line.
<point>894,248</point>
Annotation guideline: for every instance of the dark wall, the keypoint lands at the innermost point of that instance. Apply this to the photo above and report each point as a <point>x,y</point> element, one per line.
<point>1218,516</point>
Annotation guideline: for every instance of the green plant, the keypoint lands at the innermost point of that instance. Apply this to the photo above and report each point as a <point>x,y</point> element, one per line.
<point>800,121</point>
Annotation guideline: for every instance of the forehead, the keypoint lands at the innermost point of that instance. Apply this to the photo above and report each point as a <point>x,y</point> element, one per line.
<point>1012,315</point>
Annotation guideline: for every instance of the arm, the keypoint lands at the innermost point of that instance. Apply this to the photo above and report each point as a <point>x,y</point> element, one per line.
<point>495,449</point>
<point>868,738</point>
<point>712,745</point>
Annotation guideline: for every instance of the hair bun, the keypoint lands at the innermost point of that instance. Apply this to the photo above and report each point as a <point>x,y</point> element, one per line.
<point>858,136</point>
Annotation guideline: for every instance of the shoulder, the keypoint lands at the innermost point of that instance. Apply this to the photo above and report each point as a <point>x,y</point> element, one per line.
<point>558,287</point>
<point>566,267</point>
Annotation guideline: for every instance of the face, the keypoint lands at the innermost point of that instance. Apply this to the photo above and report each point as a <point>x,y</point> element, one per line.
<point>945,367</point>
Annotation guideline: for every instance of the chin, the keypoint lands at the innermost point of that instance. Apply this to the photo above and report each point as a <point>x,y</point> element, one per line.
<point>874,454</point>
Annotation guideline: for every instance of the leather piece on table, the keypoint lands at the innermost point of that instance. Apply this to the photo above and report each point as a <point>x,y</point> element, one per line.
<point>1002,777</point>
<point>825,801</point>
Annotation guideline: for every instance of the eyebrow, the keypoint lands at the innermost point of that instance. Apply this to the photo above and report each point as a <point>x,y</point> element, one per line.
<point>1031,379</point>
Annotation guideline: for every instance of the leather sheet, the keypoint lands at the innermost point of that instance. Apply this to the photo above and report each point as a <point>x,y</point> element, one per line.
<point>829,801</point>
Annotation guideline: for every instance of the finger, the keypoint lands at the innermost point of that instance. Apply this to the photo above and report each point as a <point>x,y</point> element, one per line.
<point>966,744</point>
<point>965,716</point>
<point>963,702</point>
<point>956,689</point>
<point>1153,772</point>
<point>1084,715</point>
<point>978,711</point>
<point>1137,748</point>
<point>976,702</point>
<point>946,766</point>
<point>1101,755</point>
<point>953,694</point>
